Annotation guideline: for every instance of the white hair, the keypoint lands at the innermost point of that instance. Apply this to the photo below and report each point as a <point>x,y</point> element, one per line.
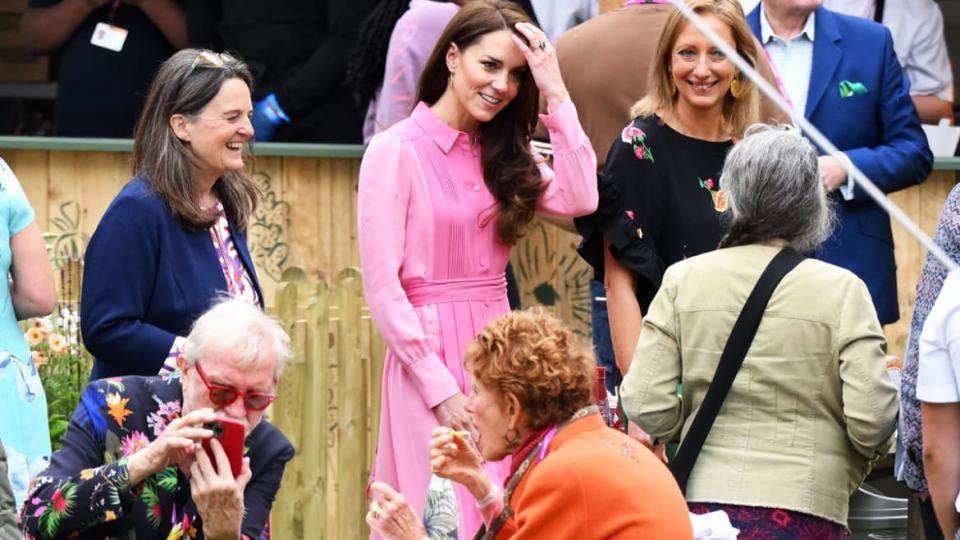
<point>235,325</point>
<point>772,180</point>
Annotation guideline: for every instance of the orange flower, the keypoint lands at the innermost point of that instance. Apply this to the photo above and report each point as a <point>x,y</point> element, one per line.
<point>720,200</point>
<point>35,335</point>
<point>117,408</point>
<point>39,359</point>
<point>58,344</point>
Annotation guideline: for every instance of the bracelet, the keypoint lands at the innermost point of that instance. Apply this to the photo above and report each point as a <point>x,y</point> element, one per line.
<point>489,497</point>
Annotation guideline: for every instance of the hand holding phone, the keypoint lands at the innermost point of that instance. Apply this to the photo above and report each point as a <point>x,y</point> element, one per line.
<point>229,433</point>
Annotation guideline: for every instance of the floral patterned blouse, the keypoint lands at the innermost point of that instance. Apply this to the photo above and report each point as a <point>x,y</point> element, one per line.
<point>239,282</point>
<point>660,202</point>
<point>86,493</point>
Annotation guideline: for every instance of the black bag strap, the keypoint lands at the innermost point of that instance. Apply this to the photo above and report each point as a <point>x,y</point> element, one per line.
<point>730,361</point>
<point>878,12</point>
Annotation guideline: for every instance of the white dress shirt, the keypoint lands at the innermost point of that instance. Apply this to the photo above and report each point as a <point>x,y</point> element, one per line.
<point>792,59</point>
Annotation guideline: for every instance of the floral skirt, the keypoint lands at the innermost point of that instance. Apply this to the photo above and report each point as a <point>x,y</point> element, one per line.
<point>759,523</point>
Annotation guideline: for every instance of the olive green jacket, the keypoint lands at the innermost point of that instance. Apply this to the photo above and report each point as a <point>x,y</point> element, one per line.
<point>811,406</point>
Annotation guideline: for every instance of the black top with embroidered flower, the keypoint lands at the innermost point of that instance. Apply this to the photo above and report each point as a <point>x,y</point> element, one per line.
<point>86,493</point>
<point>660,202</point>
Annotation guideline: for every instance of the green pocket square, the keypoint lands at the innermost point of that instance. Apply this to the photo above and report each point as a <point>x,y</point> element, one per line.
<point>850,88</point>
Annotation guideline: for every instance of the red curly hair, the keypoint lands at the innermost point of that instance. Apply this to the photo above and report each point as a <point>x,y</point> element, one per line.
<point>533,356</point>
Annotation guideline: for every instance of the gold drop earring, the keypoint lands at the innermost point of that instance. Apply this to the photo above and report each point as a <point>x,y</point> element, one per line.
<point>736,86</point>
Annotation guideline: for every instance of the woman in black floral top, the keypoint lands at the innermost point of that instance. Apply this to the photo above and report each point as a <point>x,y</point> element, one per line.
<point>131,464</point>
<point>660,191</point>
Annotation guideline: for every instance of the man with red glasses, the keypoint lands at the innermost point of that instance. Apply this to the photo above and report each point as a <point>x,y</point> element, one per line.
<point>132,463</point>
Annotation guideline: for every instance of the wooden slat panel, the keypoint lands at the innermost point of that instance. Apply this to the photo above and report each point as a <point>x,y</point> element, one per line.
<point>310,212</point>
<point>32,169</point>
<point>923,205</point>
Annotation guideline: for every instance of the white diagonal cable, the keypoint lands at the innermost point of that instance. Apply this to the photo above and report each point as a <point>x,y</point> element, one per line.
<point>814,134</point>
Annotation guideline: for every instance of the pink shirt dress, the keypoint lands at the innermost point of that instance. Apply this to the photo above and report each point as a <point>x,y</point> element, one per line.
<point>433,273</point>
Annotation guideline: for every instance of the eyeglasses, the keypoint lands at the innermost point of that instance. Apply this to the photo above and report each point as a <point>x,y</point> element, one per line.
<point>226,395</point>
<point>208,58</point>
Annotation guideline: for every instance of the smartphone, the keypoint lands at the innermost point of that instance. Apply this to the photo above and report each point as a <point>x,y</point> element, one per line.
<point>229,433</point>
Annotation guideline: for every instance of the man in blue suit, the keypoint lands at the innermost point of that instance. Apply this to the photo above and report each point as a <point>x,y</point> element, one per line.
<point>842,72</point>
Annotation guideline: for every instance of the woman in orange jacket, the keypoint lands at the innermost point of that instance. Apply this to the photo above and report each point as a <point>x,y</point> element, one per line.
<point>572,476</point>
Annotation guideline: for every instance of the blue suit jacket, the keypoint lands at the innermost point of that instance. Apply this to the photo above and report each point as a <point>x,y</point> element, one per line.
<point>879,131</point>
<point>146,279</point>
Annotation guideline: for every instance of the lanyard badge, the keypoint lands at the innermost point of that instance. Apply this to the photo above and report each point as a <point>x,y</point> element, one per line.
<point>107,35</point>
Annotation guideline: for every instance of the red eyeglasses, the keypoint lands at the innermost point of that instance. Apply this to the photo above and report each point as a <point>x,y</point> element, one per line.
<point>226,395</point>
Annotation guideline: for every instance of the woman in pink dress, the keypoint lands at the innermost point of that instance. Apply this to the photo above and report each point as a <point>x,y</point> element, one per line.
<point>443,196</point>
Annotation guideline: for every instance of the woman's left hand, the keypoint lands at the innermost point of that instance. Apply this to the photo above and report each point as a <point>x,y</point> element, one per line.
<point>392,516</point>
<point>542,61</point>
<point>217,494</point>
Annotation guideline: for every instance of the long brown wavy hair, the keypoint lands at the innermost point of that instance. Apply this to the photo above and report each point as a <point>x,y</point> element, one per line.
<point>184,84</point>
<point>508,167</point>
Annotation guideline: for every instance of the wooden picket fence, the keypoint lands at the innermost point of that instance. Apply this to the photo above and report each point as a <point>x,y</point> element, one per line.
<point>328,404</point>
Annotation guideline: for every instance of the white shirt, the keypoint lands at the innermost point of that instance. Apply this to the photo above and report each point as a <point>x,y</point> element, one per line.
<point>558,16</point>
<point>938,380</point>
<point>792,59</point>
<point>918,39</point>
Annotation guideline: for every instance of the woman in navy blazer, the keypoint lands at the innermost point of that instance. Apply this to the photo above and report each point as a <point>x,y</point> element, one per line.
<point>174,239</point>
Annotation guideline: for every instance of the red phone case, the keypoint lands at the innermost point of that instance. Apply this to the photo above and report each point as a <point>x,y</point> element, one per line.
<point>231,439</point>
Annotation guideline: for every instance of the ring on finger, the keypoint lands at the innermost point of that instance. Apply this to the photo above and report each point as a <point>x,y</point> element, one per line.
<point>542,44</point>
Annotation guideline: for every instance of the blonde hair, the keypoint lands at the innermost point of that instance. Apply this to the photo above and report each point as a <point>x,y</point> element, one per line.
<point>738,113</point>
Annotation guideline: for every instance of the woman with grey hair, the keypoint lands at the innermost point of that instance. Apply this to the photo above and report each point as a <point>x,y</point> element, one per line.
<point>811,405</point>
<point>174,238</point>
<point>132,463</point>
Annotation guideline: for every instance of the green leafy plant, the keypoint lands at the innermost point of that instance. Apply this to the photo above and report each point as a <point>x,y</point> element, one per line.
<point>58,352</point>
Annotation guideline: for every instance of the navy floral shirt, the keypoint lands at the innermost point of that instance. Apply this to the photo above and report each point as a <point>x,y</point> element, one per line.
<point>86,493</point>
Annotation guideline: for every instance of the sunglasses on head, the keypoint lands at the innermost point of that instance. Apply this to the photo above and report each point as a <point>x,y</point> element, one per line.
<point>223,396</point>
<point>207,58</point>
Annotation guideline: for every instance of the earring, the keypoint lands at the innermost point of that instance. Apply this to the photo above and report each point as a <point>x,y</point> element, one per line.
<point>736,87</point>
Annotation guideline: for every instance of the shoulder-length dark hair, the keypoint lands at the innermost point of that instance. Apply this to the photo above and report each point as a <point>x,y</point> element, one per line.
<point>185,84</point>
<point>508,167</point>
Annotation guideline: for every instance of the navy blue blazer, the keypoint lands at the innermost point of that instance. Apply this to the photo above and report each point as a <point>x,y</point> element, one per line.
<point>878,130</point>
<point>146,279</point>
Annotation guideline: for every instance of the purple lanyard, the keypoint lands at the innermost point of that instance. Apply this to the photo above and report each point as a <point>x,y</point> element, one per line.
<point>546,443</point>
<point>113,11</point>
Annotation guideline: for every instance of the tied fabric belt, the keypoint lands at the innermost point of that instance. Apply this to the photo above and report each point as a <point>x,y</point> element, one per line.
<point>480,289</point>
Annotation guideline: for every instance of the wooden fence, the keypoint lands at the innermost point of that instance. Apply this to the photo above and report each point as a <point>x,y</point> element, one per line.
<point>307,218</point>
<point>305,229</point>
<point>328,405</point>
